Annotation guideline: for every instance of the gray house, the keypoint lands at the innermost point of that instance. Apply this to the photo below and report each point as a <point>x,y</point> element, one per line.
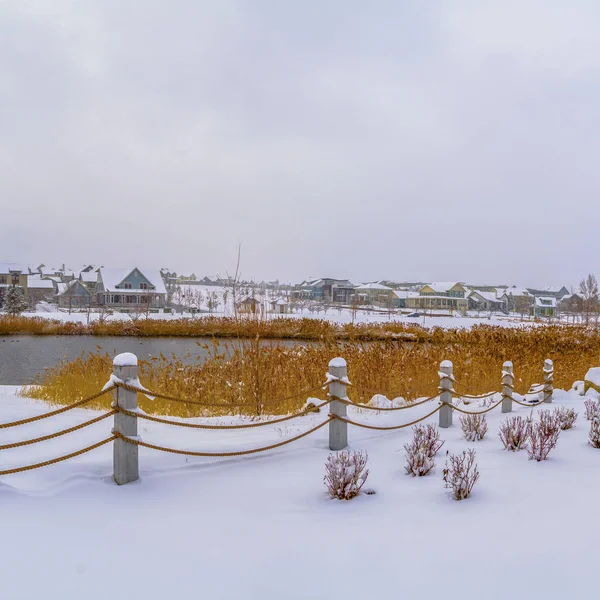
<point>72,294</point>
<point>130,289</point>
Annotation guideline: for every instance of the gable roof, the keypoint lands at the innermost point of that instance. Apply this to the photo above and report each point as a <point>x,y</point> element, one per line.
<point>112,277</point>
<point>441,287</point>
<point>37,283</point>
<point>545,301</point>
<point>374,286</point>
<point>488,296</point>
<point>63,288</point>
<point>7,267</point>
<point>88,276</point>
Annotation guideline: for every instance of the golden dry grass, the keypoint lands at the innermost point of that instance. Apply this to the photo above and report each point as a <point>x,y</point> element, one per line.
<point>253,378</point>
<point>223,327</point>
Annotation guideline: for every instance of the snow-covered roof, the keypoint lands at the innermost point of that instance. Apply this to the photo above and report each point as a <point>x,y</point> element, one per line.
<point>112,277</point>
<point>35,282</point>
<point>489,296</point>
<point>374,286</point>
<point>7,267</point>
<point>405,294</point>
<point>88,276</point>
<point>516,291</point>
<point>545,301</point>
<point>63,287</point>
<point>442,286</point>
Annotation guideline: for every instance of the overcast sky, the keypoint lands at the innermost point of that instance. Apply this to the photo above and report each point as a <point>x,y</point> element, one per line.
<point>400,140</point>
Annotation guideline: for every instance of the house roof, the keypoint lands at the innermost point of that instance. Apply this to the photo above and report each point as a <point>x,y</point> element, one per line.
<point>374,286</point>
<point>7,267</point>
<point>112,277</point>
<point>443,286</point>
<point>37,283</point>
<point>88,276</point>
<point>405,294</point>
<point>545,301</point>
<point>516,291</point>
<point>62,288</point>
<point>488,296</point>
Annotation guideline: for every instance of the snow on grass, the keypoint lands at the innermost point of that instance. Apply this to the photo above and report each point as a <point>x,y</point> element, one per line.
<point>264,527</point>
<point>340,316</point>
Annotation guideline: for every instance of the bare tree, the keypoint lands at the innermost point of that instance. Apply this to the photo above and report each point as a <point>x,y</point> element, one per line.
<point>588,288</point>
<point>523,305</point>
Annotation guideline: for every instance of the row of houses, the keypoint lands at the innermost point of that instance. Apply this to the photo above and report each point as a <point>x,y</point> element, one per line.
<point>440,296</point>
<point>128,289</point>
<point>136,288</point>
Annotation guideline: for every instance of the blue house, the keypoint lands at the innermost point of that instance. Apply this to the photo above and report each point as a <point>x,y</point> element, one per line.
<point>131,289</point>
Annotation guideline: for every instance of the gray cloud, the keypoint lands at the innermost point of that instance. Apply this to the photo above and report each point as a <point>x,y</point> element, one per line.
<point>439,140</point>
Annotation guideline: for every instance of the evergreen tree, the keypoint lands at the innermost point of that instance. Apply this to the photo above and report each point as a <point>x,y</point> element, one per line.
<point>14,300</point>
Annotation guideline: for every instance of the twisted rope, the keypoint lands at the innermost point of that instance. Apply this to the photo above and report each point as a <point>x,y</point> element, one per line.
<point>59,411</point>
<point>201,426</point>
<point>58,433</point>
<point>376,428</point>
<point>220,454</point>
<point>132,388</point>
<point>378,392</point>
<point>356,405</point>
<point>478,412</point>
<point>527,404</point>
<point>57,460</point>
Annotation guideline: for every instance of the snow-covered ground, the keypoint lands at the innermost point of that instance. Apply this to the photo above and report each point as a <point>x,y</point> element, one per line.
<point>341,316</point>
<point>262,527</point>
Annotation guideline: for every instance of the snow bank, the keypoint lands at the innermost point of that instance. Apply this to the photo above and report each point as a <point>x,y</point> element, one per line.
<point>250,527</point>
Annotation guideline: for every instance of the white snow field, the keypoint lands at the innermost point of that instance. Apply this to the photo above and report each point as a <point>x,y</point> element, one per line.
<point>342,316</point>
<point>262,527</point>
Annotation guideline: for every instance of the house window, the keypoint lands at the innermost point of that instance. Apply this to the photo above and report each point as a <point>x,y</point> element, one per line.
<point>15,278</point>
<point>127,286</point>
<point>2,278</point>
<point>117,299</point>
<point>143,286</point>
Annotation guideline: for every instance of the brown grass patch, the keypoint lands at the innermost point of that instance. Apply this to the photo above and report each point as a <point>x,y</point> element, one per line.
<point>252,378</point>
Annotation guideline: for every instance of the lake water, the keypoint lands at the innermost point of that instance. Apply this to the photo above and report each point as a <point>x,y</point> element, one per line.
<point>22,357</point>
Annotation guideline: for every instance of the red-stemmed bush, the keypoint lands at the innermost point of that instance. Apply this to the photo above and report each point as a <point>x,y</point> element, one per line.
<point>346,473</point>
<point>543,435</point>
<point>594,436</point>
<point>591,407</point>
<point>514,433</point>
<point>461,473</point>
<point>474,427</point>
<point>421,450</point>
<point>566,417</point>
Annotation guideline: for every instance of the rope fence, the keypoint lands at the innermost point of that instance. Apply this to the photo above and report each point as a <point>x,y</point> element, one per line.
<point>124,386</point>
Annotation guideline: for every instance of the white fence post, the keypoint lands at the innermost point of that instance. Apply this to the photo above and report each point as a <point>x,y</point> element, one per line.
<point>508,381</point>
<point>338,430</point>
<point>125,455</point>
<point>446,384</point>
<point>548,380</point>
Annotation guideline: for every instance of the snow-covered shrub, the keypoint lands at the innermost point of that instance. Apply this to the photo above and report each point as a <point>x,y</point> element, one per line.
<point>461,473</point>
<point>595,429</point>
<point>345,473</point>
<point>543,436</point>
<point>591,408</point>
<point>514,433</point>
<point>474,427</point>
<point>566,417</point>
<point>421,451</point>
